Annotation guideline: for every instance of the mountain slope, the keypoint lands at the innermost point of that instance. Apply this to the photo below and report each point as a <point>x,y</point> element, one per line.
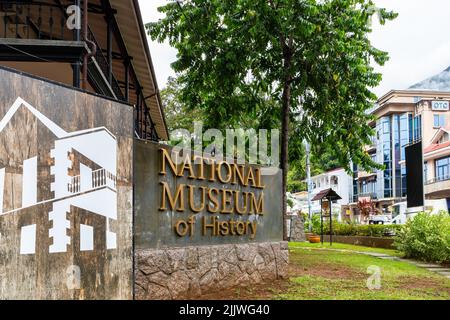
<point>440,81</point>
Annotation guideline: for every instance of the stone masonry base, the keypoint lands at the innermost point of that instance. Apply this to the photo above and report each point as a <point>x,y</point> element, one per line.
<point>183,273</point>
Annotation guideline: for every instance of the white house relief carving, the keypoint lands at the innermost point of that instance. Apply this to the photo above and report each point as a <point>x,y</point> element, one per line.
<point>83,170</point>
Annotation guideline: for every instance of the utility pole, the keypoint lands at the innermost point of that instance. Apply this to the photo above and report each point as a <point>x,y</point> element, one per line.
<point>308,181</point>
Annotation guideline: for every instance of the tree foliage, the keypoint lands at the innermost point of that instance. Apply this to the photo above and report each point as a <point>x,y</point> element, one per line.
<point>310,59</point>
<point>426,237</point>
<point>178,115</point>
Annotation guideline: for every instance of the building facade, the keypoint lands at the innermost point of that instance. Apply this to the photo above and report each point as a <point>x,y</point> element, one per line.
<point>78,91</point>
<point>403,117</point>
<point>98,46</point>
<point>87,207</point>
<point>338,180</point>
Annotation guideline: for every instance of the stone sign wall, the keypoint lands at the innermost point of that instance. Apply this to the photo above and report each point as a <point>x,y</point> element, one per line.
<point>189,272</point>
<point>203,224</point>
<point>69,168</point>
<point>296,230</point>
<point>65,192</point>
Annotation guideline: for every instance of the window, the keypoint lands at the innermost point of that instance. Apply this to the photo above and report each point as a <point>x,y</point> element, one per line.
<point>403,170</point>
<point>425,171</point>
<point>334,180</point>
<point>386,126</point>
<point>410,128</point>
<point>417,127</point>
<point>439,120</point>
<point>442,169</point>
<point>404,134</point>
<point>397,145</point>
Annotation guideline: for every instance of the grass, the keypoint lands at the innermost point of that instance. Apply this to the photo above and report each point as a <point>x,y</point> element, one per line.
<point>343,275</point>
<point>343,246</point>
<point>320,288</point>
<point>326,274</point>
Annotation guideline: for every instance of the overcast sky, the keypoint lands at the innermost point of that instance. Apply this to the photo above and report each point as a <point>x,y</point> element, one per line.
<point>418,42</point>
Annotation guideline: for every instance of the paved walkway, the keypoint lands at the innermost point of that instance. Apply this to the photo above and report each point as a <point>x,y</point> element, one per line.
<point>436,268</point>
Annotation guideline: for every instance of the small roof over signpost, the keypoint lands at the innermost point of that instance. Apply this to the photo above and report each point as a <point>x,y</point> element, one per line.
<point>330,195</point>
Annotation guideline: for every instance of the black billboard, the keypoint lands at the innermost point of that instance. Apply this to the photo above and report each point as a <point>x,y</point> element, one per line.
<point>414,175</point>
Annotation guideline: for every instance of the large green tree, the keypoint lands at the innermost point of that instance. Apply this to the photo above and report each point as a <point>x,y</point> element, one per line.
<point>312,57</point>
<point>178,114</point>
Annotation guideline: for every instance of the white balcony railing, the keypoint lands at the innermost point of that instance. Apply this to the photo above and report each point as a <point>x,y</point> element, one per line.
<point>74,186</point>
<point>100,178</point>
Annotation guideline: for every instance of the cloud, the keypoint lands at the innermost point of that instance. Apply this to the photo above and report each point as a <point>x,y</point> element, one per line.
<point>162,53</point>
<point>417,42</point>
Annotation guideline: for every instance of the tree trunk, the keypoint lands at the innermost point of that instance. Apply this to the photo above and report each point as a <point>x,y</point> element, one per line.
<point>286,104</point>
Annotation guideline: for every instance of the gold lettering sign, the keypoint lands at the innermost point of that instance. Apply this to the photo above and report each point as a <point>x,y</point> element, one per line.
<point>229,201</point>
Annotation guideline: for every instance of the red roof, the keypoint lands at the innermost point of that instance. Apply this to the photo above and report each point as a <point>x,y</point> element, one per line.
<point>436,146</point>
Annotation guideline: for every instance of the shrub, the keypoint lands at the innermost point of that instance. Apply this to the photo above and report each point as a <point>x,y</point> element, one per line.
<point>315,222</point>
<point>426,237</point>
<point>351,229</point>
<point>343,229</point>
<point>377,230</point>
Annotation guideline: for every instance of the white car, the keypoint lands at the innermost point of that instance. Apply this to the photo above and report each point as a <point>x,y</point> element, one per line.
<point>380,219</point>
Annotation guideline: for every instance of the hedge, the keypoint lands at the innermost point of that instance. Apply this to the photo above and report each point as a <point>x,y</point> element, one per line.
<point>351,229</point>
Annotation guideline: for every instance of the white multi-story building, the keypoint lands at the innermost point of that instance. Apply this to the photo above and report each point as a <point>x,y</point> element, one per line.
<point>340,182</point>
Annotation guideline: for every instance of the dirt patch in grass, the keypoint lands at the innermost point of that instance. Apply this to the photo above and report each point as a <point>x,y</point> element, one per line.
<point>314,264</point>
<point>263,291</point>
<point>325,270</point>
<point>317,274</point>
<point>267,291</point>
<point>416,283</point>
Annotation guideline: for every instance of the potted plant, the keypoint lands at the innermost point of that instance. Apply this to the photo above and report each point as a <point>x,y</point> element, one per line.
<point>308,234</point>
<point>314,238</point>
<point>313,224</point>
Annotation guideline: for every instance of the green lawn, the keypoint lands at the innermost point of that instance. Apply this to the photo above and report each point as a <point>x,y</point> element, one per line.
<point>325,274</point>
<point>343,246</point>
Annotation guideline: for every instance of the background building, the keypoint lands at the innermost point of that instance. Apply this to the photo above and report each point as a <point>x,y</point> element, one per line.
<point>105,53</point>
<point>402,117</point>
<point>340,182</point>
